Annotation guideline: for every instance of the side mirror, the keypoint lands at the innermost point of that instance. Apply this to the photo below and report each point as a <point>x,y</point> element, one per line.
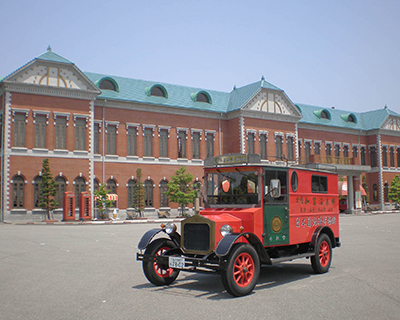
<point>275,188</point>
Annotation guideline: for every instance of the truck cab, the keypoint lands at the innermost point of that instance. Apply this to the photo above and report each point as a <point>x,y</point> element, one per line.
<point>254,213</point>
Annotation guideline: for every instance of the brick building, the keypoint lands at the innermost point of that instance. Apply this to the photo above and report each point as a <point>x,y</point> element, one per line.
<point>98,128</point>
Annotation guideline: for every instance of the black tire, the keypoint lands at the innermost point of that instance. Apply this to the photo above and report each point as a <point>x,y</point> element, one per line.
<point>321,262</point>
<point>156,274</point>
<point>243,270</point>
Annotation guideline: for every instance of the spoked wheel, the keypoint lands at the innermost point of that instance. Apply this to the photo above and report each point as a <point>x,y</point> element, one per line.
<point>157,274</point>
<point>323,254</point>
<point>241,274</point>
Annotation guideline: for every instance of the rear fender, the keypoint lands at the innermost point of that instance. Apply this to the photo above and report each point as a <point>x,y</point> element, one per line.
<point>318,231</point>
<point>225,245</point>
<point>149,235</point>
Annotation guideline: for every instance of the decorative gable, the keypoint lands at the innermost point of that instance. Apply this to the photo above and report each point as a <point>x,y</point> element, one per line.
<point>54,76</point>
<point>271,102</point>
<point>392,123</point>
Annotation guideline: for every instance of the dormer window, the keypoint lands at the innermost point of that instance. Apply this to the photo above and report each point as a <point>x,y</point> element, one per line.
<point>323,114</point>
<point>201,96</point>
<point>108,84</point>
<point>157,91</point>
<point>349,117</point>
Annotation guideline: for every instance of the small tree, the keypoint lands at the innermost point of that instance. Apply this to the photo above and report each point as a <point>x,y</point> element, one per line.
<point>179,190</point>
<point>138,199</point>
<point>102,203</point>
<point>394,191</point>
<point>48,190</point>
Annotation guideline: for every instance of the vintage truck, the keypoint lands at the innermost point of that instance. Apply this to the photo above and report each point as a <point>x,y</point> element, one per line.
<point>254,214</point>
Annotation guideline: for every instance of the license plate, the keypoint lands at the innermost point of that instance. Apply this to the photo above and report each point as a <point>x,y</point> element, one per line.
<point>176,262</point>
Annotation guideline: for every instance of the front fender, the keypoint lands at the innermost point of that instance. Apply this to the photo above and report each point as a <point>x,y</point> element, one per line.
<point>149,235</point>
<point>225,245</point>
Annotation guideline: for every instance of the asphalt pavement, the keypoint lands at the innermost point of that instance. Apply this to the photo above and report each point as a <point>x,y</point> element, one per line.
<point>81,271</point>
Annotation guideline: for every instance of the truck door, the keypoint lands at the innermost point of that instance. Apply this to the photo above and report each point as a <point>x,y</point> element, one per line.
<point>276,208</point>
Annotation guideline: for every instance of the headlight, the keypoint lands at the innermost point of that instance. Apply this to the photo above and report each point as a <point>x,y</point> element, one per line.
<point>225,230</point>
<point>170,227</point>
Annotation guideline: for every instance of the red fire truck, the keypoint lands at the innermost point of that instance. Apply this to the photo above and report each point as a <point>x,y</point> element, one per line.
<point>255,214</point>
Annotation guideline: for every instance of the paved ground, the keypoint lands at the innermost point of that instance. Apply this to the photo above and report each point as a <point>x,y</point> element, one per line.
<point>90,272</point>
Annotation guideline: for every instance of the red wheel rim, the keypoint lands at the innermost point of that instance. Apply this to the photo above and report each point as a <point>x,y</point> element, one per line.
<point>162,272</point>
<point>243,269</point>
<point>324,254</point>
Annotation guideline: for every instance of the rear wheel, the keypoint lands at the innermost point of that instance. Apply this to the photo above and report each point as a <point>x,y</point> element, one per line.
<point>241,274</point>
<point>323,254</point>
<point>159,275</point>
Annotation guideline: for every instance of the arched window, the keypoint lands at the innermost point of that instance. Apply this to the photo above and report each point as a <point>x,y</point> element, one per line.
<point>61,186</point>
<point>80,186</point>
<point>131,193</point>
<point>107,84</point>
<point>148,193</point>
<point>96,185</point>
<point>163,196</point>
<point>37,184</point>
<point>324,115</point>
<point>18,192</point>
<point>375,192</point>
<point>158,91</point>
<point>202,97</point>
<point>386,192</point>
<point>112,186</point>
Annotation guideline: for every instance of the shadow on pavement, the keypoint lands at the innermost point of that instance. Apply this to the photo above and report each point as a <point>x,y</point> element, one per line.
<point>209,286</point>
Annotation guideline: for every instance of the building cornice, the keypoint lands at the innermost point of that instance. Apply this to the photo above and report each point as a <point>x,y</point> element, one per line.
<point>137,106</point>
<point>49,91</point>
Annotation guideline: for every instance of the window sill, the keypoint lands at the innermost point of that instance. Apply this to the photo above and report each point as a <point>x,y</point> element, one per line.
<point>132,157</point>
<point>149,158</point>
<point>60,151</point>
<point>18,211</point>
<point>19,149</point>
<point>182,160</point>
<point>163,159</point>
<point>40,150</point>
<point>111,156</point>
<point>197,161</point>
<point>81,152</point>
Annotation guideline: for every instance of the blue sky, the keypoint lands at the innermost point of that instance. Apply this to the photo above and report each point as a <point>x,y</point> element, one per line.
<point>338,53</point>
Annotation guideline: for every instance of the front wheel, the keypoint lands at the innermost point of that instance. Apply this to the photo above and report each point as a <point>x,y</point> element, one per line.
<point>243,269</point>
<point>323,254</point>
<point>157,274</point>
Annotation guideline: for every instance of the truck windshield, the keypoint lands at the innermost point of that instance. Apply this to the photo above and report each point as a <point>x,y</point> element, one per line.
<point>232,187</point>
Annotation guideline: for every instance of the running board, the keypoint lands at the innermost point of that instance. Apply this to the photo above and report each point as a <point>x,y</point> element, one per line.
<point>290,258</point>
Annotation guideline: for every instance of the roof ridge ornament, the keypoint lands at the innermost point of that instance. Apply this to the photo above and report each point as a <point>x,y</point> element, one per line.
<point>49,48</point>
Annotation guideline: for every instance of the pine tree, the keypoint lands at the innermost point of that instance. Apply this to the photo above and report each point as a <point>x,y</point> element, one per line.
<point>139,196</point>
<point>179,190</point>
<point>48,190</point>
<point>394,191</point>
<point>102,203</point>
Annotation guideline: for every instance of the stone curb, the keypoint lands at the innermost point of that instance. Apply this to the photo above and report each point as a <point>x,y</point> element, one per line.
<point>96,222</point>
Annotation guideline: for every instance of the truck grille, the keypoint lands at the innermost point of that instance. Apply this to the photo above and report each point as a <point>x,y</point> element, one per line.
<point>196,236</point>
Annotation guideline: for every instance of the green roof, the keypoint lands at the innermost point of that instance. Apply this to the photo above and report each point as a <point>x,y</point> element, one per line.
<point>240,96</point>
<point>339,118</point>
<point>51,56</point>
<point>135,90</point>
